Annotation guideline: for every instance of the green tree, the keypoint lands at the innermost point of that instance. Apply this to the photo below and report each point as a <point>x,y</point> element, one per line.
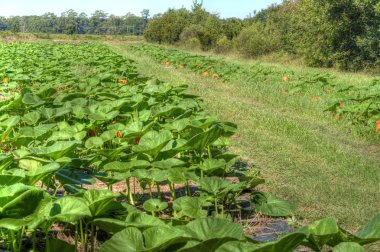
<point>167,28</point>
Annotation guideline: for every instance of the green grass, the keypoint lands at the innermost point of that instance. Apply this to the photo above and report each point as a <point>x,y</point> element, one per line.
<point>305,155</point>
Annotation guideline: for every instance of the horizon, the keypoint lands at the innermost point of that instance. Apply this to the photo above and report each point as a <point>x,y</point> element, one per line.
<point>225,9</point>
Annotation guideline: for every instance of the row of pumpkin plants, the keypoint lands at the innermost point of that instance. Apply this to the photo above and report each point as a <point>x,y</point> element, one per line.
<point>81,114</point>
<point>359,105</point>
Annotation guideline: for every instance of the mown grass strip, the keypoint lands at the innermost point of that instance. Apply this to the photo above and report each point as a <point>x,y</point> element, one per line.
<point>305,155</point>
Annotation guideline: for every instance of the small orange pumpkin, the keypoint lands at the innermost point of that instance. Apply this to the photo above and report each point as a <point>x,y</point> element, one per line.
<point>377,125</point>
<point>137,140</point>
<point>205,74</point>
<point>167,63</point>
<point>181,66</point>
<point>285,78</point>
<point>215,76</point>
<point>123,82</point>
<point>119,134</point>
<point>5,80</point>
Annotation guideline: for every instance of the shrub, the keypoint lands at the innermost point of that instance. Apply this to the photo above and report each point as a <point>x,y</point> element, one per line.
<point>167,28</point>
<point>257,40</point>
<point>223,45</point>
<point>192,44</point>
<point>192,31</point>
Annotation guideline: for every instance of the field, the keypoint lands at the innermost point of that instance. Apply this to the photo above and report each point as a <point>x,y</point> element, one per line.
<point>114,147</point>
<point>327,163</point>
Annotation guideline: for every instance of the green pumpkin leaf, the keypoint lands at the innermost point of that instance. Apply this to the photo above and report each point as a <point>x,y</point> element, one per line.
<point>348,247</point>
<point>192,207</point>
<point>271,205</point>
<point>129,239</point>
<point>94,142</point>
<point>155,205</point>
<point>69,209</point>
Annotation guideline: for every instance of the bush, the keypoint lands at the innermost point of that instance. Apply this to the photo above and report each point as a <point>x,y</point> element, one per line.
<point>342,33</point>
<point>223,45</point>
<point>192,44</point>
<point>257,40</point>
<point>190,32</point>
<point>167,28</point>
<point>194,33</point>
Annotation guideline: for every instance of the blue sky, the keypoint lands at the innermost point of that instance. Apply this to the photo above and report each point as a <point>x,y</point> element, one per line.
<point>226,8</point>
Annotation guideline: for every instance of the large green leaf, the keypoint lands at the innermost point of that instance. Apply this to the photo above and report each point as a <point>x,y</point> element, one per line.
<point>152,142</point>
<point>213,186</point>
<point>6,180</point>
<point>348,247</point>
<point>38,211</point>
<point>325,231</point>
<point>192,207</point>
<point>35,132</point>
<point>210,228</point>
<point>129,239</point>
<point>126,166</point>
<point>56,150</point>
<point>135,219</point>
<point>210,233</point>
<point>94,142</point>
<point>32,176</point>
<point>10,122</point>
<point>18,201</point>
<point>161,237</point>
<point>155,205</point>
<point>31,99</point>
<point>200,141</point>
<point>110,225</point>
<point>371,232</point>
<point>211,165</point>
<point>101,202</point>
<point>168,163</point>
<point>180,175</point>
<point>100,116</point>
<point>271,205</point>
<point>5,161</point>
<point>69,209</point>
<point>31,118</point>
<point>284,244</point>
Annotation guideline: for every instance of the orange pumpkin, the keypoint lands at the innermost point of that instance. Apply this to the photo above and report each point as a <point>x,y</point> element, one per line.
<point>123,82</point>
<point>119,134</point>
<point>377,125</point>
<point>137,140</point>
<point>181,66</point>
<point>215,76</point>
<point>205,74</point>
<point>167,63</point>
<point>285,78</point>
<point>5,80</point>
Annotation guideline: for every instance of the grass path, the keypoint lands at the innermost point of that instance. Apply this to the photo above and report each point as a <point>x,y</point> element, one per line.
<point>305,156</point>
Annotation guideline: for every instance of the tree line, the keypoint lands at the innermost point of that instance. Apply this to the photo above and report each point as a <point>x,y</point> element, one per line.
<point>70,22</point>
<point>343,33</point>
